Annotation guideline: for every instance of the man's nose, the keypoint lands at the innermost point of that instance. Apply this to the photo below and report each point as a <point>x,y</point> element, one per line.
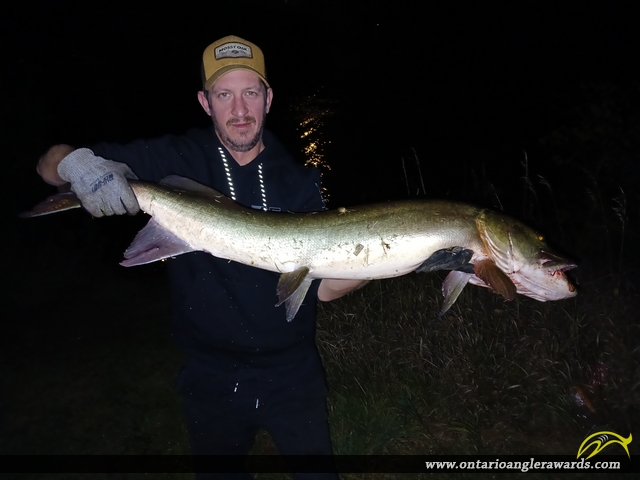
<point>239,107</point>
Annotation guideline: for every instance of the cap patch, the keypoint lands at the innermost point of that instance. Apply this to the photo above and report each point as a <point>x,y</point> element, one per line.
<point>233,50</point>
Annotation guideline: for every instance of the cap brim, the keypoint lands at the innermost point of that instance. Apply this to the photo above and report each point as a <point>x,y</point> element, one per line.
<point>229,68</point>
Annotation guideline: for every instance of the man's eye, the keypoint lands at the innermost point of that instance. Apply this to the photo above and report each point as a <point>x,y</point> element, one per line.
<point>223,95</point>
<point>252,94</point>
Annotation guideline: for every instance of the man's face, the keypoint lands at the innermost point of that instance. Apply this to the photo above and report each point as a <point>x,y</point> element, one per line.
<point>238,103</point>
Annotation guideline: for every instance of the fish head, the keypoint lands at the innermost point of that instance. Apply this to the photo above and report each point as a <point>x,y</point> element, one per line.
<point>523,255</point>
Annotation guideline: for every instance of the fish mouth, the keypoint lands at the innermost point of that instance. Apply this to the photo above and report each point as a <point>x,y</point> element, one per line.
<point>556,265</point>
<point>554,268</point>
<point>549,283</point>
<point>547,256</point>
<point>561,272</point>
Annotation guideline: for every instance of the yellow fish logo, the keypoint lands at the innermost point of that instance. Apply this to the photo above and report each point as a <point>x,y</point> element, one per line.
<point>601,440</point>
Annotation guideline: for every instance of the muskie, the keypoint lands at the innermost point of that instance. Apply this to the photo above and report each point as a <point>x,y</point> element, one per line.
<point>369,242</point>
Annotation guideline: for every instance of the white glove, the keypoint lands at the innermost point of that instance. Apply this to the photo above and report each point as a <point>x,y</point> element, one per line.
<point>100,184</point>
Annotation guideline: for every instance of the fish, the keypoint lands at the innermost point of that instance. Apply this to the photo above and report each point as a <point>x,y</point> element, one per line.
<point>376,241</point>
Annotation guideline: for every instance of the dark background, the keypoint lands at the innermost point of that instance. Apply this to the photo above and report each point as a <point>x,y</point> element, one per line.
<point>470,85</point>
<point>530,107</point>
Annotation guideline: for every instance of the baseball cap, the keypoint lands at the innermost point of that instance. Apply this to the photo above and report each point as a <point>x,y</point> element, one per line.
<point>231,53</point>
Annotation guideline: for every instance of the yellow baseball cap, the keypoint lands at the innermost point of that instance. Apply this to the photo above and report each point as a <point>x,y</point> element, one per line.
<point>231,53</point>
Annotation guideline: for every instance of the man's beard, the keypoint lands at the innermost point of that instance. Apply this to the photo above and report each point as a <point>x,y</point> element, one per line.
<point>239,146</point>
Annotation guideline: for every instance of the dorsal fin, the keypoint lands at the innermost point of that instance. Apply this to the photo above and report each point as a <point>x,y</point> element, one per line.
<point>191,186</point>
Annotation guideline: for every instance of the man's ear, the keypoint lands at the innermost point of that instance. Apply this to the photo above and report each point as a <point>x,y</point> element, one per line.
<point>203,98</point>
<point>269,99</point>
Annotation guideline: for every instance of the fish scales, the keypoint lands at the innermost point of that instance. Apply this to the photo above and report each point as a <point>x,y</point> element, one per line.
<point>357,244</point>
<point>368,242</point>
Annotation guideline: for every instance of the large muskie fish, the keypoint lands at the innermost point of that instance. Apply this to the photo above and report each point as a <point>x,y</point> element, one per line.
<point>383,240</point>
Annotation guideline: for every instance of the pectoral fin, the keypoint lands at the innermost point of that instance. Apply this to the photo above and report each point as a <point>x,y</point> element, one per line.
<point>489,273</point>
<point>454,258</point>
<point>451,288</point>
<point>291,290</point>
<point>154,243</point>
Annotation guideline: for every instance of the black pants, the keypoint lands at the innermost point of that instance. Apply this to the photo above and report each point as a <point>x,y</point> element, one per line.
<point>225,410</point>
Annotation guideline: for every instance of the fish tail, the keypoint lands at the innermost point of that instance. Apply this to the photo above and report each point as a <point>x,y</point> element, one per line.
<point>53,204</point>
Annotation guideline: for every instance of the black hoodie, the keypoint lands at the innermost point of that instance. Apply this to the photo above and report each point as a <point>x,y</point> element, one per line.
<point>223,312</point>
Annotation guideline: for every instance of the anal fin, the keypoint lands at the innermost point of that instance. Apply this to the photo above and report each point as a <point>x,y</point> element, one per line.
<point>154,243</point>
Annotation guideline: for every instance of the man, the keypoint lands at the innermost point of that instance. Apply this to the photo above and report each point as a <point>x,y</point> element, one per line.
<point>248,367</point>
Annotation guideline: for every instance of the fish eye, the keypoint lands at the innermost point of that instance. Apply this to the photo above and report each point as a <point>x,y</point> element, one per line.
<point>541,238</point>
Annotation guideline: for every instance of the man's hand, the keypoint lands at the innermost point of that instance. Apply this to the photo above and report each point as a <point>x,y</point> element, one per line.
<point>100,184</point>
<point>330,288</point>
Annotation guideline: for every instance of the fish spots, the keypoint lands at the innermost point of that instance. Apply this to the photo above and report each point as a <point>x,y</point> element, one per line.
<point>358,249</point>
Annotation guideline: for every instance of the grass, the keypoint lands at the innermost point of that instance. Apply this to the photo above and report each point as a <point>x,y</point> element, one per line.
<point>487,378</point>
